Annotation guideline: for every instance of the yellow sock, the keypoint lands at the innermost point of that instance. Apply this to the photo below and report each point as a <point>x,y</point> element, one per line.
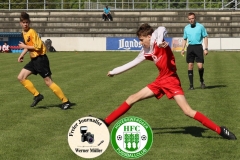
<point>30,87</point>
<point>59,93</point>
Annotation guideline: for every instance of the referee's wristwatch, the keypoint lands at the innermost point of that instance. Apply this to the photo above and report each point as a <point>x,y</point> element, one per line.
<point>206,49</point>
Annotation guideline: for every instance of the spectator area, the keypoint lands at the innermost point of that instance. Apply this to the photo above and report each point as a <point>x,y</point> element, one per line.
<point>218,23</point>
<point>12,39</point>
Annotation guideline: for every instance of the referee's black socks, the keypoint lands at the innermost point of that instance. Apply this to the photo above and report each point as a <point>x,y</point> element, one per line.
<point>190,76</point>
<point>201,71</point>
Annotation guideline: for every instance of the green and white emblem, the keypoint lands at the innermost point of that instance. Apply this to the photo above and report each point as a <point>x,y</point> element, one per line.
<point>131,137</point>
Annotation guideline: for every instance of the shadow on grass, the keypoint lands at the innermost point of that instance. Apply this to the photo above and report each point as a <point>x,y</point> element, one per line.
<point>212,87</point>
<point>53,105</point>
<point>193,130</point>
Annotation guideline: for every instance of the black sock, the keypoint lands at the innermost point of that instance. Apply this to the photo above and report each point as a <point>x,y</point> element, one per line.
<point>190,76</point>
<point>201,71</point>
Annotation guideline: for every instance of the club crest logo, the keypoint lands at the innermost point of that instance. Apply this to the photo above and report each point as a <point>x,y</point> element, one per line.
<point>88,137</point>
<point>131,137</point>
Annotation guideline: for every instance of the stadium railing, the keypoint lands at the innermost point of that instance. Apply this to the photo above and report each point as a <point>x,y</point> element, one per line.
<point>119,5</point>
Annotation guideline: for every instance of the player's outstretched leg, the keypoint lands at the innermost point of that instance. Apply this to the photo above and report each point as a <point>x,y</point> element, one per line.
<point>122,109</point>
<point>104,122</point>
<point>222,131</point>
<point>225,133</point>
<point>125,106</point>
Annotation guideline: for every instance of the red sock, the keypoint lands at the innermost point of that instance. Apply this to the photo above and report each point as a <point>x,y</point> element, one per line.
<point>117,113</point>
<point>207,122</point>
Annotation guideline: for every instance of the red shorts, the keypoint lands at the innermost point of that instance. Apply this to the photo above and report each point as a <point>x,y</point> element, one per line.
<point>170,86</point>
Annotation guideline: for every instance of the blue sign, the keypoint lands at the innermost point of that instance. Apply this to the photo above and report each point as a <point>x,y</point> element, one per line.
<point>169,40</point>
<point>123,43</point>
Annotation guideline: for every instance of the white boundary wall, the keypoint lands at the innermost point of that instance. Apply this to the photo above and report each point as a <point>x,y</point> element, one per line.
<point>99,43</point>
<point>77,43</point>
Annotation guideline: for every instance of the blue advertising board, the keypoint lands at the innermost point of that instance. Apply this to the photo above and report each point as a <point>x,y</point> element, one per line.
<point>122,43</point>
<point>12,38</point>
<point>127,43</point>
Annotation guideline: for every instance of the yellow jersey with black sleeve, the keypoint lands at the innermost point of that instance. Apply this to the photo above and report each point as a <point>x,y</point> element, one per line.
<point>31,38</point>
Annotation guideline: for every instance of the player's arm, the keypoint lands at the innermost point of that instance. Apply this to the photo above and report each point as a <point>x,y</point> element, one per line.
<point>206,45</point>
<point>183,46</point>
<point>161,32</point>
<point>24,46</point>
<point>20,58</point>
<point>184,41</point>
<point>206,42</point>
<point>128,65</point>
<point>204,34</point>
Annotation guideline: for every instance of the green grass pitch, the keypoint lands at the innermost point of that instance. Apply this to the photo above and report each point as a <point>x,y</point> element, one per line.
<point>40,133</point>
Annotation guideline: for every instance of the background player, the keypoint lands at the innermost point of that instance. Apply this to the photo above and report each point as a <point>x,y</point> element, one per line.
<point>39,63</point>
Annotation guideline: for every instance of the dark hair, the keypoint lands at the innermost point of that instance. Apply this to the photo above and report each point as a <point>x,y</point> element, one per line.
<point>191,13</point>
<point>144,30</point>
<point>24,16</point>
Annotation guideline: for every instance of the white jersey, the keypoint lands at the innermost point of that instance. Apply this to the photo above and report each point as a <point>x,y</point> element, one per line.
<point>157,37</point>
<point>5,47</point>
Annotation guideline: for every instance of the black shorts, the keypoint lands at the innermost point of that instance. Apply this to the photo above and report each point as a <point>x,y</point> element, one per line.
<point>195,53</point>
<point>39,65</point>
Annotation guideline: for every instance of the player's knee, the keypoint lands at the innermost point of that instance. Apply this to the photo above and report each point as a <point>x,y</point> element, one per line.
<point>132,99</point>
<point>48,83</point>
<point>190,66</point>
<point>20,78</point>
<point>189,112</point>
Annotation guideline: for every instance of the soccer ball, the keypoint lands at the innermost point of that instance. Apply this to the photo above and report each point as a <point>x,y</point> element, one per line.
<point>119,137</point>
<point>143,137</point>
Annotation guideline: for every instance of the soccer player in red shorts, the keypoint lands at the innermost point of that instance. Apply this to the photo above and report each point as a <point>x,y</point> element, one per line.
<point>167,82</point>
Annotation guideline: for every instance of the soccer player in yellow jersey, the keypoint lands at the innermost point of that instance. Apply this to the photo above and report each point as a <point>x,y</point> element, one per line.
<point>39,63</point>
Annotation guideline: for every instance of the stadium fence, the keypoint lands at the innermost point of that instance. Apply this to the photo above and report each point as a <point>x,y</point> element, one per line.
<point>119,4</point>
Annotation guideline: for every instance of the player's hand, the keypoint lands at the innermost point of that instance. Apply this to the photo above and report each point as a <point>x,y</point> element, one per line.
<point>182,53</point>
<point>21,44</point>
<point>205,52</point>
<point>110,75</point>
<point>20,59</point>
<point>164,44</point>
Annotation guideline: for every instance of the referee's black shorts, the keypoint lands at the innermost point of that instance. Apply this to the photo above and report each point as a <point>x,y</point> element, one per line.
<point>39,65</point>
<point>195,53</point>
